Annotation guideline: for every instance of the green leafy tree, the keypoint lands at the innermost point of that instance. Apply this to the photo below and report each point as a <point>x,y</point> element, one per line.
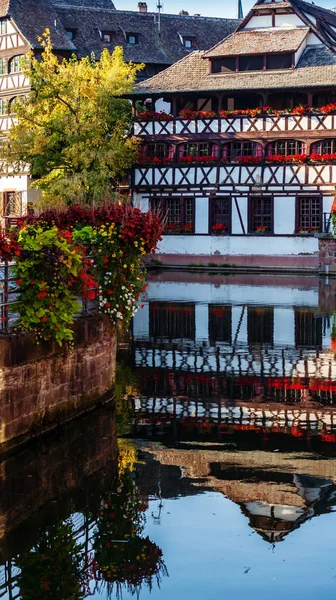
<point>73,128</point>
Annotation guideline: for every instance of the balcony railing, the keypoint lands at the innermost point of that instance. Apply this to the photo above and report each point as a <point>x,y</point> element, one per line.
<point>291,123</point>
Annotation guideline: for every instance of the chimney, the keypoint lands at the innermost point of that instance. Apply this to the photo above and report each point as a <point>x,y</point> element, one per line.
<point>184,13</point>
<point>142,7</point>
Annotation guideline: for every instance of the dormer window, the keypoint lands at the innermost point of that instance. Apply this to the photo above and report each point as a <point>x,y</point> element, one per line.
<point>253,62</point>
<point>132,38</point>
<point>107,37</point>
<point>188,42</point>
<point>71,33</point>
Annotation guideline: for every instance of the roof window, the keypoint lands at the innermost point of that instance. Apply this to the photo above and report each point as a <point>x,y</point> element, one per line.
<point>132,38</point>
<point>107,37</point>
<point>71,33</point>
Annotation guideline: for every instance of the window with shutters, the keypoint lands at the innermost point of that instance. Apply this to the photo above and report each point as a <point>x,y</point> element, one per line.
<point>220,215</point>
<point>261,215</point>
<point>309,213</point>
<point>233,150</point>
<point>12,204</point>
<point>327,146</point>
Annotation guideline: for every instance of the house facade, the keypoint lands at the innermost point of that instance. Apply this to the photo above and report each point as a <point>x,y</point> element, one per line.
<point>83,27</point>
<point>243,160</point>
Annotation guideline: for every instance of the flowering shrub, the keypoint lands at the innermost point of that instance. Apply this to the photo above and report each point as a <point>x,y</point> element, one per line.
<point>219,228</point>
<point>197,159</point>
<point>47,275</point>
<point>323,157</point>
<point>173,228</point>
<point>245,160</point>
<point>281,158</point>
<point>151,115</point>
<point>52,266</point>
<point>197,114</point>
<point>306,229</point>
<point>53,567</point>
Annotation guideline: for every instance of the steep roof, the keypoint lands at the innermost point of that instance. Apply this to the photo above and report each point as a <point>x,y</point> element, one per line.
<point>259,41</point>
<point>32,17</point>
<point>93,3</point>
<point>316,68</point>
<point>164,48</point>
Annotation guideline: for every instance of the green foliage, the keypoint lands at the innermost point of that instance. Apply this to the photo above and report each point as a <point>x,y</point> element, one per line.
<point>71,128</point>
<point>47,267</point>
<point>53,567</point>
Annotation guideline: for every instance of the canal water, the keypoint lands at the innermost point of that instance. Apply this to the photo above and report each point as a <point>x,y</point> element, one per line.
<point>214,476</point>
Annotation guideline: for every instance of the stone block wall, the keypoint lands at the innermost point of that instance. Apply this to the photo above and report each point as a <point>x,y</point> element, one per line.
<point>327,255</point>
<point>41,385</point>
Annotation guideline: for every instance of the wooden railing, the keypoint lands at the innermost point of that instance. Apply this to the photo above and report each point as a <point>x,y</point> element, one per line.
<point>290,123</point>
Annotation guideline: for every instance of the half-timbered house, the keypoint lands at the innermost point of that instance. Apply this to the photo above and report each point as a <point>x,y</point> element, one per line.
<point>243,160</point>
<point>83,27</point>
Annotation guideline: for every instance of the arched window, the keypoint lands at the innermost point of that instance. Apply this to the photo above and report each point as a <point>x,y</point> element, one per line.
<point>197,149</point>
<point>156,152</point>
<point>285,148</point>
<point>14,65</point>
<point>233,150</point>
<point>11,104</point>
<point>2,66</point>
<point>324,147</point>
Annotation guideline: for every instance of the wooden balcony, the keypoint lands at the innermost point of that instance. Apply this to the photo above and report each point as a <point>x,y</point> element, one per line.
<point>292,176</point>
<point>274,124</point>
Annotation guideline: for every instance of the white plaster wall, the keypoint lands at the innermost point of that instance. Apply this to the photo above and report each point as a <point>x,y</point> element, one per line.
<point>201,215</point>
<point>202,321</point>
<point>327,203</point>
<point>140,202</point>
<point>262,21</point>
<point>284,214</point>
<point>237,295</point>
<point>288,21</point>
<point>300,51</point>
<point>242,205</point>
<point>141,322</point>
<point>284,325</point>
<point>313,40</point>
<point>237,245</point>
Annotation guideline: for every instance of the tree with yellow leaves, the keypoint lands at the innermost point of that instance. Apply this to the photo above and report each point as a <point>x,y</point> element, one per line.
<point>73,128</point>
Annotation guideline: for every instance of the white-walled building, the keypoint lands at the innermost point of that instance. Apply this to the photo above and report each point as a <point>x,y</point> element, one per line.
<point>243,161</point>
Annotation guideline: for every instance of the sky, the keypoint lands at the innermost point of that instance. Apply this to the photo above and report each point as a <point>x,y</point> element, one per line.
<point>216,8</point>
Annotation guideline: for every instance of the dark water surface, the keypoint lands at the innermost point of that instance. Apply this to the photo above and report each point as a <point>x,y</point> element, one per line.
<point>222,482</point>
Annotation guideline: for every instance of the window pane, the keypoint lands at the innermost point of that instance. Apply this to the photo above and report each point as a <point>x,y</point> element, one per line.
<point>222,65</point>
<point>173,211</point>
<point>309,213</point>
<point>172,320</point>
<point>261,215</point>
<point>279,61</point>
<point>3,26</point>
<point>260,324</point>
<point>308,329</point>
<point>220,324</point>
<point>251,63</point>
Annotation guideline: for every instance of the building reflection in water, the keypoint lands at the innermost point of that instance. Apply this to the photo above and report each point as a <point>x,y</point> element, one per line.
<point>250,353</point>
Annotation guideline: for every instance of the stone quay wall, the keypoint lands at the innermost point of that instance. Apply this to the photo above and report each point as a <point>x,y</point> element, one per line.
<point>42,384</point>
<point>327,255</point>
